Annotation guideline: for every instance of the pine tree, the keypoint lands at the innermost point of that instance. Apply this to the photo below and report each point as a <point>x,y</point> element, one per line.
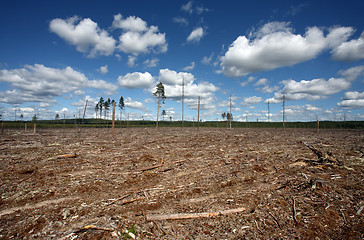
<point>161,96</point>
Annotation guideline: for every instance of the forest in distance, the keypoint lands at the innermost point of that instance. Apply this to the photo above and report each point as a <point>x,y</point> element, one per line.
<point>97,123</point>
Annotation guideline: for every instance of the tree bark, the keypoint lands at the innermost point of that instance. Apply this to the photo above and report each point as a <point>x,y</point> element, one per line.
<point>159,99</point>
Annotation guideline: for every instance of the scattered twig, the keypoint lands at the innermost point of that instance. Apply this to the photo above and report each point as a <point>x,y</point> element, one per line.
<point>131,200</point>
<point>294,209</point>
<point>256,224</point>
<point>118,199</point>
<point>84,229</point>
<point>342,214</point>
<point>275,219</point>
<point>93,227</point>
<point>359,211</point>
<point>179,216</point>
<point>159,165</point>
<point>150,168</point>
<point>160,228</point>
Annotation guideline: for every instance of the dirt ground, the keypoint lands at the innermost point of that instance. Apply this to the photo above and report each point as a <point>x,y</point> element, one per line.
<point>287,183</point>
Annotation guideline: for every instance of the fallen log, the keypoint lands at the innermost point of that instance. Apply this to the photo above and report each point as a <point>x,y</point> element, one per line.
<point>69,155</point>
<point>180,216</point>
<point>93,227</point>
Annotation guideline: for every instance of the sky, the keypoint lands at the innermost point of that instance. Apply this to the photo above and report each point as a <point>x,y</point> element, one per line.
<point>56,55</point>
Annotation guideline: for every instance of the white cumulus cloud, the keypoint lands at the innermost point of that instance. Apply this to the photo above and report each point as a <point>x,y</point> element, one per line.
<point>131,23</point>
<point>314,89</point>
<point>84,34</point>
<point>136,80</point>
<point>275,45</point>
<point>352,100</point>
<point>190,67</point>
<point>137,37</point>
<point>172,81</point>
<point>134,104</point>
<point>196,35</point>
<point>38,83</point>
<point>350,51</point>
<point>251,100</point>
<point>104,69</point>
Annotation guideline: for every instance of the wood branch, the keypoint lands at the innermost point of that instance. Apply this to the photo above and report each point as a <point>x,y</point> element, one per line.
<point>159,165</point>
<point>322,157</point>
<point>294,210</point>
<point>118,199</point>
<point>275,219</point>
<point>93,227</point>
<point>69,155</point>
<point>180,216</point>
<point>131,200</point>
<point>149,168</point>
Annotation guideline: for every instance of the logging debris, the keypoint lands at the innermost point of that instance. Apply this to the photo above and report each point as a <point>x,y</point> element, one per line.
<point>179,216</point>
<point>323,157</point>
<point>114,184</point>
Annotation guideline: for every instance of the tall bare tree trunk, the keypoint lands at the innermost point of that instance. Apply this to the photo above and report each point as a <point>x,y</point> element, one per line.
<point>113,118</point>
<point>159,99</point>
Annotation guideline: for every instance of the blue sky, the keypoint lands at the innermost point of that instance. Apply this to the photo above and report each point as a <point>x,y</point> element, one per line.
<point>55,55</point>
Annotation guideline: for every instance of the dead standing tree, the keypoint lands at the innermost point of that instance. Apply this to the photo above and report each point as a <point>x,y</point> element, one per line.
<point>121,105</point>
<point>161,96</point>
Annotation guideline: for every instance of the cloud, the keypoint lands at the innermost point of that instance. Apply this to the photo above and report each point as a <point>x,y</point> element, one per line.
<point>352,103</point>
<point>314,89</point>
<point>131,61</point>
<point>137,37</point>
<point>102,84</point>
<point>251,100</point>
<point>266,88</point>
<point>181,20</point>
<point>190,8</point>
<point>352,100</point>
<point>350,51</point>
<point>318,88</point>
<point>273,100</point>
<point>275,45</point>
<point>134,104</point>
<point>172,81</point>
<point>189,68</point>
<point>149,63</point>
<point>104,69</point>
<point>84,34</point>
<point>187,7</point>
<point>206,60</point>
<point>131,23</point>
<point>244,83</point>
<point>353,95</point>
<point>353,73</point>
<point>262,81</point>
<point>39,83</point>
<point>195,35</point>
<point>170,77</point>
<point>136,80</point>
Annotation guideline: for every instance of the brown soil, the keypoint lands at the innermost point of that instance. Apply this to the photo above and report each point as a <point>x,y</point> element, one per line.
<point>110,185</point>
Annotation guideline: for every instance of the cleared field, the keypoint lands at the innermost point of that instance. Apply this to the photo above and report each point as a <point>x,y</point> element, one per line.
<point>223,184</point>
